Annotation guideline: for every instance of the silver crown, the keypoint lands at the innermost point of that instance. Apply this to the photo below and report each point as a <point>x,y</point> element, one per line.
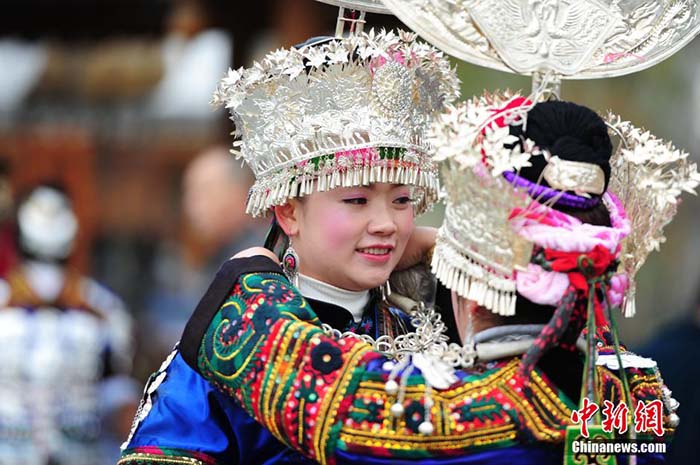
<point>476,252</point>
<point>346,112</point>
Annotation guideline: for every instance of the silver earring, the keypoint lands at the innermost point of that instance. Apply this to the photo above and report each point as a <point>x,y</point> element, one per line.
<point>385,290</point>
<point>290,265</point>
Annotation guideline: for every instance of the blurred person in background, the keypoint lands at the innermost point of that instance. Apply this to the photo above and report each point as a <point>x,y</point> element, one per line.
<point>214,190</point>
<point>63,335</point>
<point>215,187</point>
<point>8,248</point>
<point>676,349</point>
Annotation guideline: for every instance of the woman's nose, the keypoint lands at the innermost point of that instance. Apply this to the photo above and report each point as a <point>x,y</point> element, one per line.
<point>382,221</point>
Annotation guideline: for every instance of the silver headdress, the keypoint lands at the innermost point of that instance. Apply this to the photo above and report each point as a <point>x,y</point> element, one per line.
<point>476,252</point>
<point>480,251</point>
<point>550,40</point>
<point>648,175</point>
<point>577,39</point>
<point>347,112</point>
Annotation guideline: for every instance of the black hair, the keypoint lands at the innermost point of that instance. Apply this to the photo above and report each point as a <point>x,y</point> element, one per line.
<point>276,240</point>
<point>571,132</point>
<point>576,133</point>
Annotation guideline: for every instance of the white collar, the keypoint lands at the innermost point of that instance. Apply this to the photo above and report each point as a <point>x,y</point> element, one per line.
<point>353,301</point>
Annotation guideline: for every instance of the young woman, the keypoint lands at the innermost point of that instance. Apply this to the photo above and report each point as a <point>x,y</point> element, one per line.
<point>333,131</point>
<point>336,400</point>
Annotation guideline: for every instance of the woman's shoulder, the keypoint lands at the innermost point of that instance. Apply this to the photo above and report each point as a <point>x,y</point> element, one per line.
<point>219,291</point>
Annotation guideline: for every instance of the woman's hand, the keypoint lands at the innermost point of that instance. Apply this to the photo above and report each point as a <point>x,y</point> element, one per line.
<point>419,244</point>
<point>253,251</point>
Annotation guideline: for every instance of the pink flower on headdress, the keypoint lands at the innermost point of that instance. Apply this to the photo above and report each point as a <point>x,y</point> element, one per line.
<point>617,288</point>
<point>360,156</point>
<point>377,63</point>
<point>540,286</point>
<point>395,57</point>
<point>399,57</point>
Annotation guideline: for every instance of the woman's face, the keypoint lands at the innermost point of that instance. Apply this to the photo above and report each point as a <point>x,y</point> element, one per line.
<point>352,237</point>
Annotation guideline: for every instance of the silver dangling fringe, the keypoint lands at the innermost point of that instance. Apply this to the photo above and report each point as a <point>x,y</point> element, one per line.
<point>471,280</point>
<point>277,189</point>
<point>392,388</point>
<point>426,427</point>
<point>629,305</point>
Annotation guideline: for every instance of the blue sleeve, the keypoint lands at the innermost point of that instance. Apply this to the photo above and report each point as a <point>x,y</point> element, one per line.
<point>183,416</point>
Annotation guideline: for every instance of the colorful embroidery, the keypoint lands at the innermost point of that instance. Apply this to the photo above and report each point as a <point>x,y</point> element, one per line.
<point>289,375</point>
<point>318,394</point>
<point>152,455</point>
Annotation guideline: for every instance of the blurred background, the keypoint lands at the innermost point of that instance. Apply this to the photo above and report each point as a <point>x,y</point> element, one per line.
<point>111,97</point>
<point>111,100</point>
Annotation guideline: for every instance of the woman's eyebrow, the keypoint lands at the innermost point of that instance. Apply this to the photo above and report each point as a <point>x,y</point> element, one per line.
<point>356,189</point>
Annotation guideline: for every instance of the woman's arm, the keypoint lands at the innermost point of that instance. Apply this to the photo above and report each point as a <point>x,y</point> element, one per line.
<point>263,345</point>
<point>327,397</point>
<point>419,246</point>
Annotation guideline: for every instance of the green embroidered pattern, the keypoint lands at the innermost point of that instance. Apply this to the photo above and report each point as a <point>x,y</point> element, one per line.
<point>153,455</point>
<point>318,394</point>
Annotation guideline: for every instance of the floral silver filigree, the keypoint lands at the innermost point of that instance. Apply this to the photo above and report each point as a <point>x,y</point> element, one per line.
<point>579,39</point>
<point>305,117</point>
<point>428,337</point>
<point>648,175</point>
<point>477,252</point>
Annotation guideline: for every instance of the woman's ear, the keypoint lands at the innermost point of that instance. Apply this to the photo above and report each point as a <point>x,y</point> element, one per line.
<point>288,217</point>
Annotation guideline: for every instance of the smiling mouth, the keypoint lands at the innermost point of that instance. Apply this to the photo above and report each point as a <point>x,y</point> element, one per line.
<point>375,250</point>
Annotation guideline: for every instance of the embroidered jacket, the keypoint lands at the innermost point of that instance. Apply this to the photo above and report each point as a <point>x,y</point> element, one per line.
<point>184,419</point>
<point>261,345</point>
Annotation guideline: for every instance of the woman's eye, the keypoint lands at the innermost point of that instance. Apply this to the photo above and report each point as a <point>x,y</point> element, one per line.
<point>403,200</point>
<point>355,201</point>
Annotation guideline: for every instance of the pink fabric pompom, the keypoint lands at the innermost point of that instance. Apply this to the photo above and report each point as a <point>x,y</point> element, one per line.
<point>540,286</point>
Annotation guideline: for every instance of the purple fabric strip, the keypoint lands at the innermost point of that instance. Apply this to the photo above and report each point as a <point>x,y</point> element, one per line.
<point>544,193</point>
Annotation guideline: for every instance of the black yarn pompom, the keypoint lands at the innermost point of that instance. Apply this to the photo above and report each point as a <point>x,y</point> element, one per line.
<point>569,131</point>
